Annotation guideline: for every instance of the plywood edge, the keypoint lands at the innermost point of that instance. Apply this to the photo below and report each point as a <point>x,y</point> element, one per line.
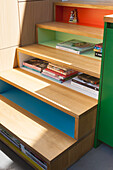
<point>74,153</point>
<point>87,122</point>
<point>95,5</point>
<point>108,18</point>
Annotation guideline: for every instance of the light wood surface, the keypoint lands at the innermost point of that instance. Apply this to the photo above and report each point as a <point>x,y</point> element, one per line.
<point>62,98</point>
<point>7,58</point>
<point>77,151</point>
<point>87,4</point>
<point>73,154</point>
<point>9,24</point>
<point>81,63</point>
<point>31,13</point>
<point>108,18</point>
<point>92,32</point>
<point>87,122</point>
<point>46,140</point>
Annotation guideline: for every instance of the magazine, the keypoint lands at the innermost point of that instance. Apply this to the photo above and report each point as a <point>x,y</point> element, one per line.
<point>86,82</point>
<point>59,69</point>
<point>76,46</point>
<point>36,64</point>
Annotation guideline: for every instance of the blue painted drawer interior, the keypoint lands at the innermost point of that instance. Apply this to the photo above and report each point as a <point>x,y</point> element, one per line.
<point>44,111</point>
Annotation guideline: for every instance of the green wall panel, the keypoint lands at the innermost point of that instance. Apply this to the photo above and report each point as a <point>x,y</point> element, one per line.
<point>45,35</point>
<point>66,36</point>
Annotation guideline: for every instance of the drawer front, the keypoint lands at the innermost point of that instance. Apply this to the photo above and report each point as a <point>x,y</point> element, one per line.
<point>44,111</point>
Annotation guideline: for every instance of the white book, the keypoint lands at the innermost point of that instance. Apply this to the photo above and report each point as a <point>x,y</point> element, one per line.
<point>85,90</point>
<point>68,49</point>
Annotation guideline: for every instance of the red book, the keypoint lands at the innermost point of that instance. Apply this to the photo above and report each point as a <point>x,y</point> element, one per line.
<point>99,45</point>
<point>62,75</point>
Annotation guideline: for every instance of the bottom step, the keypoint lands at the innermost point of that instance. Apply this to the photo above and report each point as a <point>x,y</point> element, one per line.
<point>63,161</point>
<point>55,148</point>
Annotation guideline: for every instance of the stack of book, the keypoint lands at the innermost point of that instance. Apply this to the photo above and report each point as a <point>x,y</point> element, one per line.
<point>58,73</point>
<point>35,64</point>
<point>86,84</point>
<point>21,147</point>
<point>75,46</point>
<point>98,50</point>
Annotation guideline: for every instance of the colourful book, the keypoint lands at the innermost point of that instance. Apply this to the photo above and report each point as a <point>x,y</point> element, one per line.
<point>60,74</point>
<point>75,46</point>
<point>98,54</point>
<point>98,48</point>
<point>49,74</point>
<point>59,69</point>
<point>88,79</point>
<point>99,45</point>
<point>36,64</point>
<point>83,83</point>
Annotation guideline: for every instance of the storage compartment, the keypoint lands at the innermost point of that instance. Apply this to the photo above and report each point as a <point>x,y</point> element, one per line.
<point>86,16</point>
<point>49,114</point>
<point>76,126</point>
<point>51,38</point>
<point>23,150</point>
<point>89,92</point>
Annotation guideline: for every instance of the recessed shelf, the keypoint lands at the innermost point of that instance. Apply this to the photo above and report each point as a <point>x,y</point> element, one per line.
<point>91,93</point>
<point>87,31</point>
<point>82,63</point>
<point>58,96</point>
<point>38,135</point>
<point>53,44</point>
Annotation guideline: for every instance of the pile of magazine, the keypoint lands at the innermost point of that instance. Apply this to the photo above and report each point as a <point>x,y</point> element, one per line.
<point>20,146</point>
<point>49,70</point>
<point>86,84</point>
<point>59,73</point>
<point>75,46</point>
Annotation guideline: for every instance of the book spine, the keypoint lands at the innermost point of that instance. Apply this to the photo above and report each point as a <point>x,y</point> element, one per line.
<point>57,66</point>
<point>10,139</point>
<point>32,66</point>
<point>83,87</point>
<point>84,90</point>
<point>31,69</point>
<point>67,49</point>
<point>86,85</point>
<point>97,54</point>
<point>28,65</point>
<point>58,71</point>
<point>50,76</point>
<point>61,75</point>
